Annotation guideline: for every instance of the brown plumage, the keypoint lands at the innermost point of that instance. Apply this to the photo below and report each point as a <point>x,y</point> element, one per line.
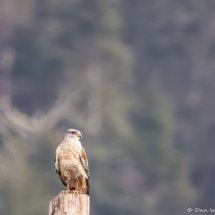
<point>71,163</point>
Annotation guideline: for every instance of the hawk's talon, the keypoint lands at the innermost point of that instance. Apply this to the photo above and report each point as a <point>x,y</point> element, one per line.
<point>67,191</point>
<point>76,191</point>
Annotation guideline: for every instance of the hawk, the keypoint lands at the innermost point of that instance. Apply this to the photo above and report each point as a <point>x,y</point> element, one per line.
<point>71,163</point>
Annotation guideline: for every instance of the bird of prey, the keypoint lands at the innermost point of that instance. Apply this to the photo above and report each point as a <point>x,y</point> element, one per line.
<point>71,163</point>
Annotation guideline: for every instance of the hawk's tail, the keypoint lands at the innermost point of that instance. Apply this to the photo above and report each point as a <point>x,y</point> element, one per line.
<point>86,190</point>
<point>88,186</point>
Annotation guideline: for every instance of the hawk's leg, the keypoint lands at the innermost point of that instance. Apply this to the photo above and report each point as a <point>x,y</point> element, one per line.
<point>68,183</point>
<point>77,185</point>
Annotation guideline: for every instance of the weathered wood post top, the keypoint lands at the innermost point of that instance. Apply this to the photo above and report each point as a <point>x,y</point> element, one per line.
<point>70,204</point>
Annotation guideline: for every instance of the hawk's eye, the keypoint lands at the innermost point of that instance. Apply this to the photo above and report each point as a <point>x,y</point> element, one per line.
<point>73,132</point>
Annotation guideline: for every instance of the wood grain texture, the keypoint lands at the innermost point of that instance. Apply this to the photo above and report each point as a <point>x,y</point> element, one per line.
<point>70,204</point>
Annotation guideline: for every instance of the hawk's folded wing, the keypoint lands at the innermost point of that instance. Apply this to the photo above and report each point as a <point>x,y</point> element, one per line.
<point>56,162</point>
<point>84,161</point>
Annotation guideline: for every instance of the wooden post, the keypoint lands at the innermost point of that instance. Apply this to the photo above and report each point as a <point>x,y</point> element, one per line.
<point>70,204</point>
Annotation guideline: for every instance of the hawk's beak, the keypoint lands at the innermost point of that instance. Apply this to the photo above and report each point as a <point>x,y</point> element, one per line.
<point>79,135</point>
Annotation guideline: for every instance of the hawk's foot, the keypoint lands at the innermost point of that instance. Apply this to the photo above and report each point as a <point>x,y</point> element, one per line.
<point>76,191</point>
<point>67,191</point>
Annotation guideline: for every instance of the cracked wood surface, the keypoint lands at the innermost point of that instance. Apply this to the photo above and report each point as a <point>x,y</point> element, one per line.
<point>70,204</point>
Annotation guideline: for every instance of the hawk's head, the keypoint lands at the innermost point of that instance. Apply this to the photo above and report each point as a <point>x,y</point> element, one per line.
<point>73,132</point>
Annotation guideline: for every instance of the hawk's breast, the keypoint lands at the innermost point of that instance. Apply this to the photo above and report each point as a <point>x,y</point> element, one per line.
<point>69,162</point>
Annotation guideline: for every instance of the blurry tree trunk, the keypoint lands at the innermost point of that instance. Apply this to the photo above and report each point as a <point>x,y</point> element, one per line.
<point>7,52</point>
<point>7,16</point>
<point>95,100</point>
<point>70,204</point>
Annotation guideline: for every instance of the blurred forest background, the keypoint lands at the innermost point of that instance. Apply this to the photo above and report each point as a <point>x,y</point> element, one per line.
<point>137,78</point>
